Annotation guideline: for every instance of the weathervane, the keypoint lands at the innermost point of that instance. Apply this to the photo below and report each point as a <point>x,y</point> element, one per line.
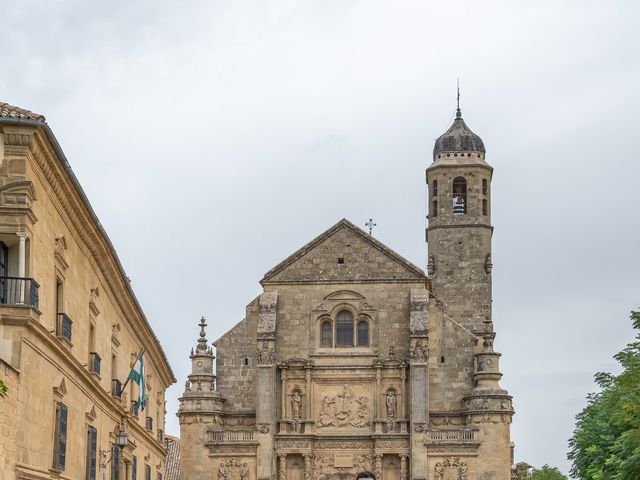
<point>458,113</point>
<point>370,225</point>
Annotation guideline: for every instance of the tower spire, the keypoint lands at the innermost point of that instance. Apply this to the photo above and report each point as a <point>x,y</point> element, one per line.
<point>458,112</point>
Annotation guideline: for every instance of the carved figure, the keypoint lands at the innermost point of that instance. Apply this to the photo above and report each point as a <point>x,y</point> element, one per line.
<point>344,411</point>
<point>222,472</point>
<point>244,472</point>
<point>362,412</point>
<point>296,405</point>
<point>327,412</point>
<point>392,404</point>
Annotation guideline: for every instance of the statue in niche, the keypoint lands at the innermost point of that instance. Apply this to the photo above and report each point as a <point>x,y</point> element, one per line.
<point>296,405</point>
<point>392,406</point>
<point>327,412</point>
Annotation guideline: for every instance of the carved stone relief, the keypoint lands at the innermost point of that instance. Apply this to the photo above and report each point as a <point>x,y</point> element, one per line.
<point>450,469</point>
<point>265,354</point>
<point>233,469</point>
<point>267,313</point>
<point>344,409</point>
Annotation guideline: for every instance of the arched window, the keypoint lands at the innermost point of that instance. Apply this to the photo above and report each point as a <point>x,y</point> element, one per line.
<point>459,196</point>
<point>326,333</point>
<point>363,333</point>
<point>344,329</point>
<point>485,206</point>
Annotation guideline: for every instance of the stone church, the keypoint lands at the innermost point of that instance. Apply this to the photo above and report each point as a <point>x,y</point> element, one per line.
<point>355,359</point>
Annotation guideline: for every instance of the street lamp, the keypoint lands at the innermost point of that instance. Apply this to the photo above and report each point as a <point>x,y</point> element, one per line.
<point>122,440</point>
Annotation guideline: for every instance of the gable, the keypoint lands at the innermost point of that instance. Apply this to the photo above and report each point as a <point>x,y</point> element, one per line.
<point>344,254</point>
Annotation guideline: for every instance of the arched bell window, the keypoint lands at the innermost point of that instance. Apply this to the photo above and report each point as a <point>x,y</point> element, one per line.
<point>363,333</point>
<point>459,196</point>
<point>326,334</point>
<point>344,329</point>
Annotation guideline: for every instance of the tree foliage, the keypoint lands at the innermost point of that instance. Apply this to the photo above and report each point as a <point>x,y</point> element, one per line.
<point>546,473</point>
<point>606,441</point>
<point>3,388</point>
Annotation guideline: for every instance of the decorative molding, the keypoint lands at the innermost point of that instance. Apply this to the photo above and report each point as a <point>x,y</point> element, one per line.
<point>94,294</point>
<point>90,231</point>
<point>59,386</point>
<point>59,251</point>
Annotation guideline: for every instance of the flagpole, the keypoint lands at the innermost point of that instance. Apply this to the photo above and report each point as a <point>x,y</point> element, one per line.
<point>129,376</point>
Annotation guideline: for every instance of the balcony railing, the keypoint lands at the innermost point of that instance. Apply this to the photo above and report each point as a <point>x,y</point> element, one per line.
<point>18,291</point>
<point>230,436</point>
<point>94,363</point>
<point>451,435</point>
<point>63,327</point>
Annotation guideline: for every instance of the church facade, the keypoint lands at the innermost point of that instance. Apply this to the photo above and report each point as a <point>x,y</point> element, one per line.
<point>355,359</point>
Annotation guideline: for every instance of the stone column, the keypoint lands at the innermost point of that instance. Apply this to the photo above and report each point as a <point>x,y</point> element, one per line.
<point>378,466</point>
<point>283,379</point>
<point>283,466</point>
<point>309,410</point>
<point>307,466</point>
<point>22,262</point>
<point>403,467</point>
<point>376,404</point>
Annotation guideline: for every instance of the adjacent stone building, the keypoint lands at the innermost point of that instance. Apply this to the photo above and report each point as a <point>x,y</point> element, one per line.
<point>70,326</point>
<point>353,359</point>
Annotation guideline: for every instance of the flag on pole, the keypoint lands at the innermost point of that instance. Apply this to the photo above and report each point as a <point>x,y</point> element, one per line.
<point>137,375</point>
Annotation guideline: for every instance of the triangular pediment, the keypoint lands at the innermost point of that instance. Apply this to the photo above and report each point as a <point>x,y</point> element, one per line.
<point>344,254</point>
<point>59,386</point>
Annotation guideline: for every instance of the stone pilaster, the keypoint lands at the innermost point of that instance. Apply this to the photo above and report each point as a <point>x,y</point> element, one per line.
<point>266,407</point>
<point>419,379</point>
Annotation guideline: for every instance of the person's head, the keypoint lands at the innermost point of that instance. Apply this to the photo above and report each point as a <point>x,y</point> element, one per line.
<point>366,476</point>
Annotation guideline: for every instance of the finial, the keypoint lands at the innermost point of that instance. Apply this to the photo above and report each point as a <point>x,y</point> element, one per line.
<point>202,341</point>
<point>458,112</point>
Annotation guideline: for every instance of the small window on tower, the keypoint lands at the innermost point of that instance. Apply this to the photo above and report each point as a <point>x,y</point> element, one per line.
<point>459,196</point>
<point>485,186</point>
<point>434,207</point>
<point>435,188</point>
<point>485,207</point>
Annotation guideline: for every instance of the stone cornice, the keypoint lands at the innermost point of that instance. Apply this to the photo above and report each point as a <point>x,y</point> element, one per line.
<point>72,199</point>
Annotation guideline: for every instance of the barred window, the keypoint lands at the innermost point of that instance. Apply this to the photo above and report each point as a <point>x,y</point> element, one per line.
<point>344,329</point>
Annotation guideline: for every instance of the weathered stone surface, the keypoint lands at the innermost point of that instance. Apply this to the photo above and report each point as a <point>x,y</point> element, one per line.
<point>417,398</point>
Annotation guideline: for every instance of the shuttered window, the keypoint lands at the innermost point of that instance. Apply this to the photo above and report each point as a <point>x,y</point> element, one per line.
<point>60,442</point>
<point>92,444</point>
<point>147,472</point>
<point>134,468</point>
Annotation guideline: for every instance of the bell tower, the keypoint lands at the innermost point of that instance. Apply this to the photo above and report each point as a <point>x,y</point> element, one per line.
<point>459,231</point>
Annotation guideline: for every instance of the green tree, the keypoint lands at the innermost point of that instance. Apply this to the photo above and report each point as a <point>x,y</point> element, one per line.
<point>606,441</point>
<point>546,473</point>
<point>3,389</point>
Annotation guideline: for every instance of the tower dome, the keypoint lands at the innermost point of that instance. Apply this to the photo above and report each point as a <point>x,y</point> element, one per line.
<point>459,138</point>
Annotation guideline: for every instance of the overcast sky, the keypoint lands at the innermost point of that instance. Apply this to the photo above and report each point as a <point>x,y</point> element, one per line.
<point>215,138</point>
